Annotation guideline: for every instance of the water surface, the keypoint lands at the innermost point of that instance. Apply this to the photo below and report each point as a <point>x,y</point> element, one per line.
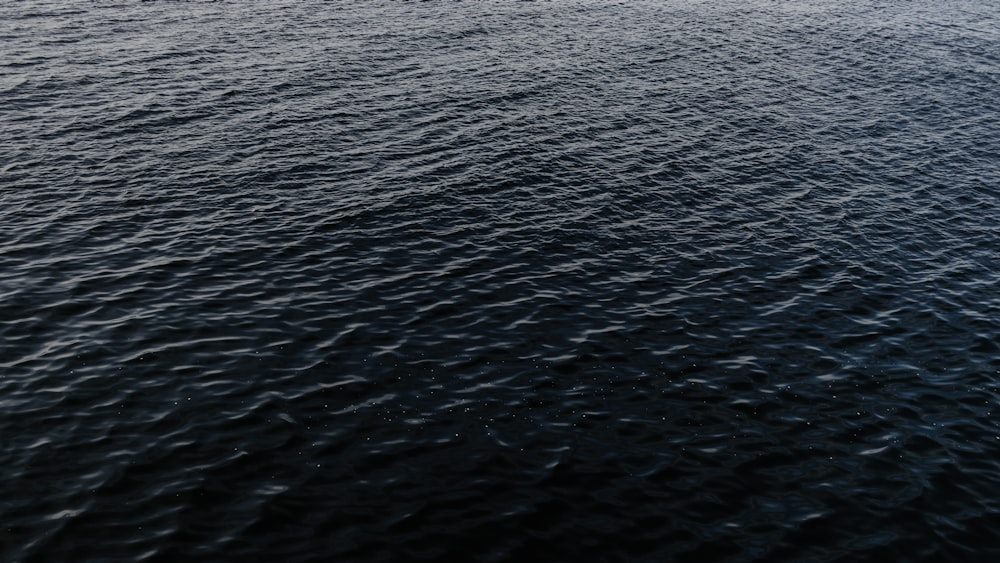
<point>572,280</point>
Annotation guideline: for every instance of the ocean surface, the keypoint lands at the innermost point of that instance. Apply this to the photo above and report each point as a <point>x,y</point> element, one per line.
<point>579,280</point>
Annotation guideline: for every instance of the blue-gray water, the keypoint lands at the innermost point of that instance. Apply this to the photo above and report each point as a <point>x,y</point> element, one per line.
<point>573,280</point>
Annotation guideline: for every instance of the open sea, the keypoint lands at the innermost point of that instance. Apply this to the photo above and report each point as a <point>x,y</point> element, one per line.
<point>570,280</point>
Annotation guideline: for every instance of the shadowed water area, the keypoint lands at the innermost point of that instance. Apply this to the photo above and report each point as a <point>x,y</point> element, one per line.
<point>679,280</point>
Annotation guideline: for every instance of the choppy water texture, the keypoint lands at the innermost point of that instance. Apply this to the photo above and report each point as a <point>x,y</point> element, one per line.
<point>577,280</point>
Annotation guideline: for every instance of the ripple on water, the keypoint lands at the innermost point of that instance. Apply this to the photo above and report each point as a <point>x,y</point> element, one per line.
<point>419,281</point>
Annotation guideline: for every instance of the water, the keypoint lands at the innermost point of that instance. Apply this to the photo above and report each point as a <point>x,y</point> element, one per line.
<point>570,280</point>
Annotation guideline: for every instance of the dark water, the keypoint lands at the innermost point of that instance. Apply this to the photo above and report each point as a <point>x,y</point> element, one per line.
<point>572,280</point>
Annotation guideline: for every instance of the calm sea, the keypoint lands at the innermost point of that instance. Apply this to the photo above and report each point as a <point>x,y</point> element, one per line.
<point>578,280</point>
